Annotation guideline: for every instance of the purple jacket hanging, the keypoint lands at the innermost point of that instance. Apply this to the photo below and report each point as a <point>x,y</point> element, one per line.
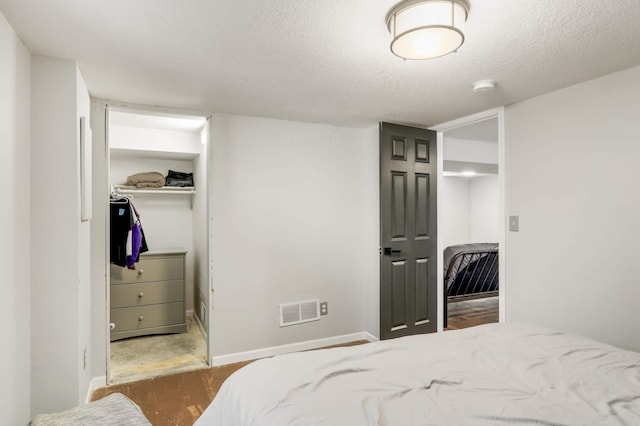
<point>136,241</point>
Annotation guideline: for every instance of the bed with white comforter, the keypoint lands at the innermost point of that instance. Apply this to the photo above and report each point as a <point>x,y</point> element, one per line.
<point>497,374</point>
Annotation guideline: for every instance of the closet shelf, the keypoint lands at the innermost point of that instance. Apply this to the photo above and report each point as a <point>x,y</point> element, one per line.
<point>124,189</point>
<point>165,190</point>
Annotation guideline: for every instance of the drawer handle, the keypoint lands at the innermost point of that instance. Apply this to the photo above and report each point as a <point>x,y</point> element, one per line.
<point>140,271</point>
<point>140,294</point>
<point>141,317</point>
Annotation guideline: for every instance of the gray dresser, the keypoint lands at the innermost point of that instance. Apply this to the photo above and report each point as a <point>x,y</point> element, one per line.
<point>151,298</point>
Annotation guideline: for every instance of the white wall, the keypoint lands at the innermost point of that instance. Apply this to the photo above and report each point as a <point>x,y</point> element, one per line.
<point>455,221</point>
<point>470,209</point>
<point>484,218</point>
<point>83,109</point>
<point>59,241</point>
<point>573,178</point>
<point>470,151</point>
<point>15,180</point>
<point>371,228</point>
<point>288,206</point>
<point>150,139</point>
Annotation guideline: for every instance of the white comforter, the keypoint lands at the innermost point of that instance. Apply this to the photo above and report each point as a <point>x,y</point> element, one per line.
<point>489,375</point>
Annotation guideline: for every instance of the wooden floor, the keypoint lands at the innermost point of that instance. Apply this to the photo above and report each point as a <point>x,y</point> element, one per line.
<point>179,399</point>
<point>469,313</point>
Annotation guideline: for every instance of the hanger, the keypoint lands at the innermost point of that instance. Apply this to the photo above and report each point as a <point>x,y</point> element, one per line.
<point>117,198</point>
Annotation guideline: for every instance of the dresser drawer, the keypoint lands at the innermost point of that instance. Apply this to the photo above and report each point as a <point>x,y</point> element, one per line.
<point>150,269</point>
<point>129,295</point>
<point>141,317</point>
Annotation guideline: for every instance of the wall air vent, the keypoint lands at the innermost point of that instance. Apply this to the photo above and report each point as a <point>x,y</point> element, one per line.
<point>299,312</point>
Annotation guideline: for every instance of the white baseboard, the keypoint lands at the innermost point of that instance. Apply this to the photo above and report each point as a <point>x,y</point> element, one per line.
<point>369,337</point>
<point>96,383</point>
<point>293,347</point>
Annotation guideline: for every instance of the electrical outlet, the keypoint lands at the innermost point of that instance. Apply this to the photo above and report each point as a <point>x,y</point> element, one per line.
<point>324,308</point>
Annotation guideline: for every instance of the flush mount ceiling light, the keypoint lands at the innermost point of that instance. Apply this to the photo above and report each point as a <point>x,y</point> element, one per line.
<point>425,29</point>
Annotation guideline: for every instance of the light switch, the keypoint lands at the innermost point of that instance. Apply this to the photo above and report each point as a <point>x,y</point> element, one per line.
<point>514,223</point>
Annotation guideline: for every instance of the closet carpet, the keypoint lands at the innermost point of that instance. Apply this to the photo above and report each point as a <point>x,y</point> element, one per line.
<point>149,356</point>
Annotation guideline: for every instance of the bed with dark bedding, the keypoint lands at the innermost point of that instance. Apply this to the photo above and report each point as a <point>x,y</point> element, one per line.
<point>470,272</point>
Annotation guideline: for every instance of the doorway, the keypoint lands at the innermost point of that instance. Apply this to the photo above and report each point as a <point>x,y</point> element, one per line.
<point>157,296</point>
<point>471,232</point>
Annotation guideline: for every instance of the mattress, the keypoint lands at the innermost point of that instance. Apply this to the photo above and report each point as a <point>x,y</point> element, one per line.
<point>495,374</point>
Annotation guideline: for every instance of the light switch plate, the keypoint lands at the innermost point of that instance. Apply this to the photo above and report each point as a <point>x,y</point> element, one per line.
<point>514,223</point>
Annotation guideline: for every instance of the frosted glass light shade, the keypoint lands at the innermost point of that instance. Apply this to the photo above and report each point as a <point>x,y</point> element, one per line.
<point>425,29</point>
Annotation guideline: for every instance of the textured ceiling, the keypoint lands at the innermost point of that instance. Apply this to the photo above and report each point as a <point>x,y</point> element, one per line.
<point>324,61</point>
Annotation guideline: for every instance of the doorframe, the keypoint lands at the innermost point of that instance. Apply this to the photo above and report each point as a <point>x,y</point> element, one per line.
<point>440,129</point>
<point>108,106</point>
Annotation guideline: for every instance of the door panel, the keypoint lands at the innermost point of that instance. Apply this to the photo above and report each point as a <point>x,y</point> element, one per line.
<point>399,203</point>
<point>407,231</point>
<point>398,287</point>
<point>422,206</point>
<point>422,290</point>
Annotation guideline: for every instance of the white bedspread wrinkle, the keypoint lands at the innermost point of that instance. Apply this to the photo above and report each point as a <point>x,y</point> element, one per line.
<point>497,374</point>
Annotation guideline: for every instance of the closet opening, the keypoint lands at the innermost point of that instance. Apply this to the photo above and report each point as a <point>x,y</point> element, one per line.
<point>470,224</point>
<point>158,243</point>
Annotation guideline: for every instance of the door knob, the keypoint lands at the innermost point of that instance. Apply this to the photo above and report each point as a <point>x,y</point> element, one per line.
<point>388,251</point>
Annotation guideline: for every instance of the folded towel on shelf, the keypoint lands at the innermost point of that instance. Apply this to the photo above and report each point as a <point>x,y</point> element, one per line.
<point>146,180</point>
<point>149,185</point>
<point>179,179</point>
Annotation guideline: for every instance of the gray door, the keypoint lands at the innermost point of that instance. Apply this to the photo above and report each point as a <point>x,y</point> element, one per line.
<point>407,231</point>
